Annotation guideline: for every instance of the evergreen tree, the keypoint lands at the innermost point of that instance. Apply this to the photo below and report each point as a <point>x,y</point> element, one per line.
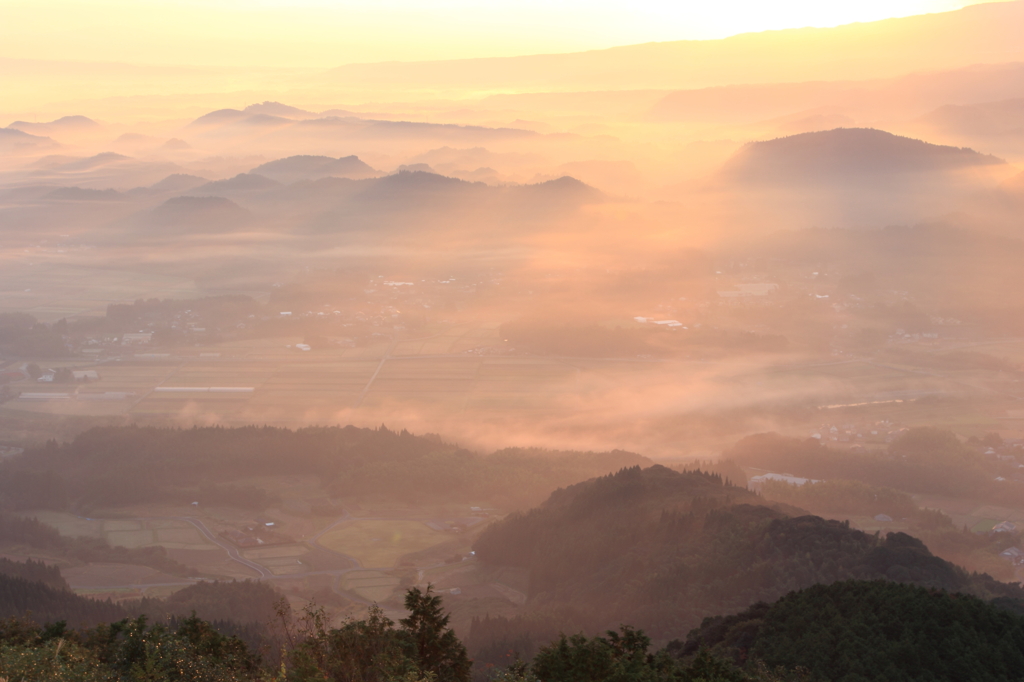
<point>437,649</point>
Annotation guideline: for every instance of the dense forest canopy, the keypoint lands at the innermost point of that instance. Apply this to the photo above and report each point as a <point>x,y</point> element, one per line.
<point>853,630</point>
<point>662,550</point>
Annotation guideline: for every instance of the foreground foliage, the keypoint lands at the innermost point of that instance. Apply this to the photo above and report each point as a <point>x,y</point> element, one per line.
<point>854,631</point>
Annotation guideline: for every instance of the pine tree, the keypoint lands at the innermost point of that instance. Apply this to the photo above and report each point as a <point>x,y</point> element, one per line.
<point>437,649</point>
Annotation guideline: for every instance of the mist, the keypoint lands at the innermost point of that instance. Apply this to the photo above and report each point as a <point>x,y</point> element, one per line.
<point>645,336</point>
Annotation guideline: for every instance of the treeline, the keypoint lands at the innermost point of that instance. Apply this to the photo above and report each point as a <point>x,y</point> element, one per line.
<point>847,631</point>
<point>34,571</point>
<point>19,531</point>
<point>243,602</point>
<point>32,593</point>
<point>421,649</point>
<point>851,631</point>
<point>662,550</point>
<point>840,499</point>
<point>860,631</point>
<point>922,460</point>
<point>22,335</point>
<point>112,466</point>
<point>35,590</point>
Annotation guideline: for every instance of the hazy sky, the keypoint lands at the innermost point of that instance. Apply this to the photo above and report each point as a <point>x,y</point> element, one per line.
<point>334,32</point>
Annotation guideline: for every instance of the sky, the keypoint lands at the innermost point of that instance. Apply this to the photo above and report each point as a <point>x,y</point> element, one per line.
<point>326,33</point>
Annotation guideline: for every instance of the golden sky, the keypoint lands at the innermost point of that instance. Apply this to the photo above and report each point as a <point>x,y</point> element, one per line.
<point>325,33</point>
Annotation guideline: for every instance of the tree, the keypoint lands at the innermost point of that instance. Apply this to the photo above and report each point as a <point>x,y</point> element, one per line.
<point>436,649</point>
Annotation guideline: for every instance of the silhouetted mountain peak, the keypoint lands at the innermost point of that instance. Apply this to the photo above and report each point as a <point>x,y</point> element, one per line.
<point>199,214</point>
<point>845,152</point>
<point>83,194</point>
<point>243,182</point>
<point>218,117</point>
<point>177,182</point>
<point>64,123</point>
<point>307,167</point>
<point>565,192</point>
<point>277,109</point>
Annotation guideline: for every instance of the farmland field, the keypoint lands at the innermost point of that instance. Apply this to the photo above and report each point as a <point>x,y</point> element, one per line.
<point>431,383</point>
<point>371,585</point>
<point>170,533</point>
<point>380,543</point>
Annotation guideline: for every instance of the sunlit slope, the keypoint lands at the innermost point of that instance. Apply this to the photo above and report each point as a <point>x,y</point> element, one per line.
<point>980,34</point>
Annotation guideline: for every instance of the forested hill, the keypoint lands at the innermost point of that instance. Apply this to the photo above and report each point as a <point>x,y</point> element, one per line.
<point>852,631</point>
<point>661,550</point>
<point>113,466</point>
<point>46,604</point>
<point>38,592</point>
<point>922,460</point>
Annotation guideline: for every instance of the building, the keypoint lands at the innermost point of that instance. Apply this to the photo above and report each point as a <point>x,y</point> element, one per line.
<point>136,339</point>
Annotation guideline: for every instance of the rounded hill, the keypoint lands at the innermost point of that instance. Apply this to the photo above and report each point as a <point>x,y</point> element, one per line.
<point>844,152</point>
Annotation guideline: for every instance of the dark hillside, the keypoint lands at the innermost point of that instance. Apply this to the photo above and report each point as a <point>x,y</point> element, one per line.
<point>45,604</point>
<point>852,631</point>
<point>847,152</point>
<point>661,550</point>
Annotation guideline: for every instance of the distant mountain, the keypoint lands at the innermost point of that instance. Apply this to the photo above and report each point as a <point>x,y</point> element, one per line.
<point>197,215</point>
<point>218,117</point>
<point>565,191</point>
<point>91,162</point>
<point>846,152</point>
<point>81,194</point>
<point>978,120</point>
<point>177,182</point>
<point>418,190</point>
<point>63,124</point>
<point>175,144</point>
<point>442,131</point>
<point>285,128</point>
<point>981,34</point>
<point>278,109</point>
<point>902,96</point>
<point>295,168</point>
<point>223,117</point>
<point>241,183</point>
<point>13,140</point>
<point>264,120</point>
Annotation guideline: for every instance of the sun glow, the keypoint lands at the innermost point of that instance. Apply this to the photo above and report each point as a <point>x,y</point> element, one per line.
<point>324,33</point>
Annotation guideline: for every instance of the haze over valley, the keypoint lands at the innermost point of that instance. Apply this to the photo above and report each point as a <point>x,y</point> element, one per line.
<point>655,348</point>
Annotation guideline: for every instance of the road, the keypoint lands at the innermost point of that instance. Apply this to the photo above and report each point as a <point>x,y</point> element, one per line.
<point>380,366</point>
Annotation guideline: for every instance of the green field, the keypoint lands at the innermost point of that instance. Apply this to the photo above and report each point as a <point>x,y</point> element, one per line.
<point>380,543</point>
